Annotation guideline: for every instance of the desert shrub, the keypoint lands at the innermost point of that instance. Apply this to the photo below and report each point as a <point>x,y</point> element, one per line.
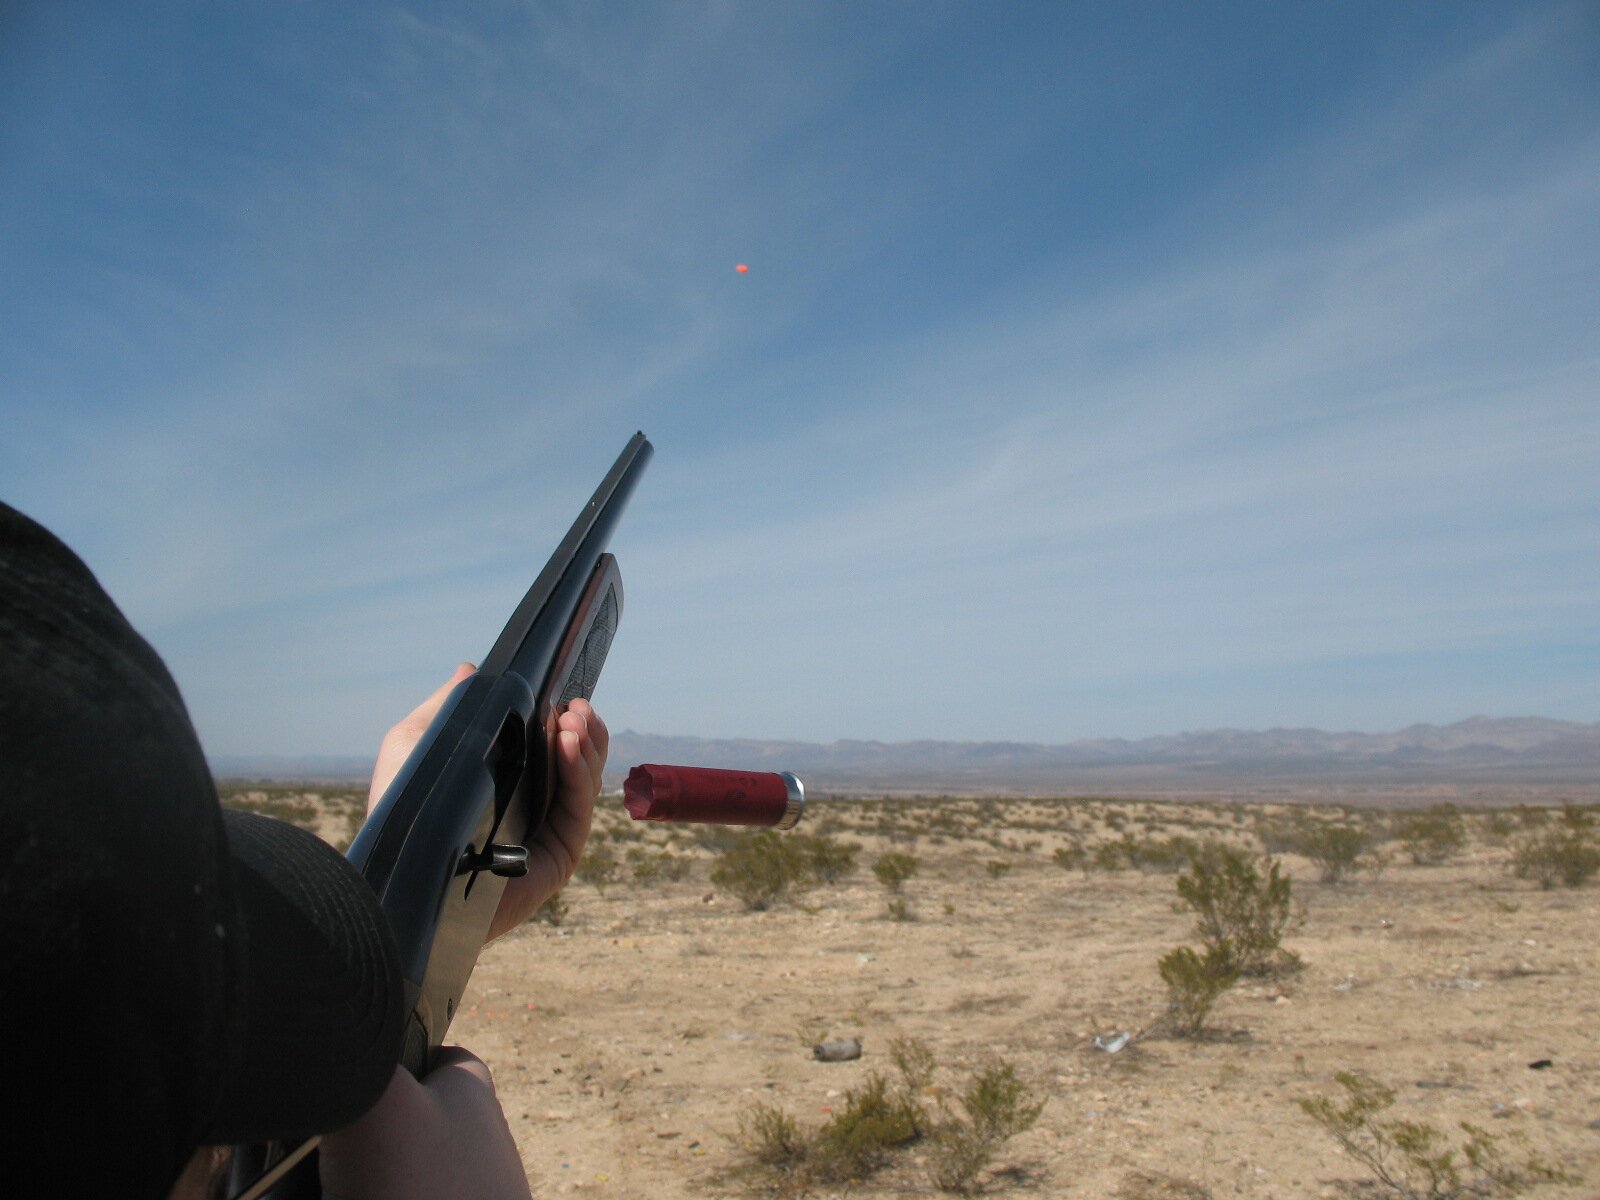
<point>883,1117</point>
<point>627,831</point>
<point>1110,856</point>
<point>894,868</point>
<point>1416,1161</point>
<point>913,1062</point>
<point>875,1120</point>
<point>598,866</point>
<point>956,1159</point>
<point>1432,837</point>
<point>1241,908</point>
<point>1157,855</point>
<point>1530,817</point>
<point>997,868</point>
<point>1556,855</point>
<point>662,865</point>
<point>1280,835</point>
<point>1497,827</point>
<point>1071,855</point>
<point>762,869</point>
<point>771,1136</point>
<point>1336,850</point>
<point>1577,818</point>
<point>1194,981</point>
<point>830,860</point>
<point>718,839</point>
<point>997,1106</point>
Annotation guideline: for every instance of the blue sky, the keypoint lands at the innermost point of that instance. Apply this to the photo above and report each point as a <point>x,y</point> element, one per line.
<point>1100,369</point>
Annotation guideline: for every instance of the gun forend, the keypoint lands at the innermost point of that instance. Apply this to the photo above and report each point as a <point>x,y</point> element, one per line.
<point>704,795</point>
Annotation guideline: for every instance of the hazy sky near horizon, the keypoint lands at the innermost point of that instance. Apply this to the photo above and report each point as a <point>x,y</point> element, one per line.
<point>1101,369</point>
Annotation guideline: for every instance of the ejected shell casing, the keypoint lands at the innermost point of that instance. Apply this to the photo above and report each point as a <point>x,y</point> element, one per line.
<point>773,800</point>
<point>844,1050</point>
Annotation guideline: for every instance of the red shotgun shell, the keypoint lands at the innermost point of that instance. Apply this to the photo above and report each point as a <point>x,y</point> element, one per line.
<point>712,797</point>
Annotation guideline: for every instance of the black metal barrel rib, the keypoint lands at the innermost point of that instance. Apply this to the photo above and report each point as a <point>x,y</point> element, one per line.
<point>569,567</point>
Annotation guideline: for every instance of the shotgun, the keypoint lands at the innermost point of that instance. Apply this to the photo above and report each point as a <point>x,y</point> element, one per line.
<point>453,826</point>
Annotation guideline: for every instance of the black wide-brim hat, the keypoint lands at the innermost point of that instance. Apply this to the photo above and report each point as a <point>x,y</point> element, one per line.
<point>171,975</point>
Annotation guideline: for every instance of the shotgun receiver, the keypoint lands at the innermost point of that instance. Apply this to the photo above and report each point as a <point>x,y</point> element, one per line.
<point>453,827</point>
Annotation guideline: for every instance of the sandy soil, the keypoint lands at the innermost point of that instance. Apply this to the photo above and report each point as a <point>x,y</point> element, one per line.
<point>659,1015</point>
<point>627,1041</point>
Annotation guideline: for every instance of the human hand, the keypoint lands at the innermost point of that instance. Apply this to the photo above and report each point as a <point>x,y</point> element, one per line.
<point>553,850</point>
<point>442,1135</point>
<point>403,737</point>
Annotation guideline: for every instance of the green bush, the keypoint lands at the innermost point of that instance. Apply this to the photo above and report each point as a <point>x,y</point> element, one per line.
<point>1280,835</point>
<point>874,1121</point>
<point>1110,856</point>
<point>1497,827</point>
<point>718,839</point>
<point>1159,855</point>
<point>1578,819</point>
<point>1336,850</point>
<point>771,1136</point>
<point>1556,855</point>
<point>882,1118</point>
<point>830,860</point>
<point>913,1062</point>
<point>894,868</point>
<point>997,1106</point>
<point>1530,817</point>
<point>762,869</point>
<point>1432,837</point>
<point>1241,907</point>
<point>1071,855</point>
<point>662,865</point>
<point>956,1157</point>
<point>1413,1160</point>
<point>1194,982</point>
<point>598,866</point>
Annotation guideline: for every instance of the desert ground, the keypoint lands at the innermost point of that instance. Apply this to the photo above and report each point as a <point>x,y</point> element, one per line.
<point>628,1039</point>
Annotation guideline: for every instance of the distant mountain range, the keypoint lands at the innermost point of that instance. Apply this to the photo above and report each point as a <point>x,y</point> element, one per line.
<point>1479,750</point>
